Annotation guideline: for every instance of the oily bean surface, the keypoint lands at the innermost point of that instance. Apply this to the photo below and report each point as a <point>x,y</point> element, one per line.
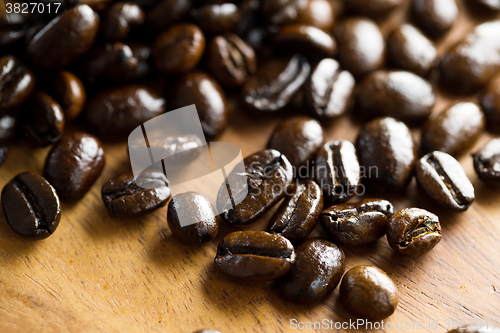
<point>283,11</point>
<point>318,13</point>
<point>8,128</point>
<point>434,17</point>
<point>487,162</point>
<point>68,91</point>
<point>120,18</point>
<point>166,12</point>
<point>16,82</point>
<point>306,39</point>
<point>217,18</point>
<point>490,103</point>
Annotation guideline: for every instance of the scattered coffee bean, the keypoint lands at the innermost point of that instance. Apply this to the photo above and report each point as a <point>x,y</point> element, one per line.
<point>306,39</point>
<point>166,12</point>
<point>8,127</point>
<point>435,17</point>
<point>318,13</point>
<point>16,82</point>
<point>217,18</point>
<point>490,103</point>
<point>487,162</point>
<point>372,8</point>
<point>280,12</point>
<point>67,89</point>
<point>120,18</point>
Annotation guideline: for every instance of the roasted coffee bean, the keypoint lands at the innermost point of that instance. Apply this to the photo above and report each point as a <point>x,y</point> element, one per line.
<point>372,8</point>
<point>454,130</point>
<point>386,152</point>
<point>167,12</point>
<point>43,120</point>
<point>318,268</point>
<point>217,19</point>
<point>337,170</point>
<point>361,46</point>
<point>8,127</point>
<point>306,39</point>
<point>368,292</point>
<point>280,12</point>
<point>276,82</point>
<point>68,91</point>
<point>410,50</point>
<point>3,153</point>
<point>434,17</point>
<point>298,138</point>
<point>398,94</point>
<point>16,82</point>
<point>179,48</point>
<point>202,90</point>
<point>31,206</point>
<point>357,223</point>
<point>126,197</point>
<point>230,60</point>
<point>329,90</point>
<point>444,180</point>
<point>254,256</point>
<point>318,13</point>
<point>297,216</point>
<point>487,162</point>
<point>413,232</point>
<point>464,68</point>
<point>142,53</point>
<point>268,174</point>
<point>490,103</point>
<point>65,38</point>
<point>191,218</point>
<point>492,5</point>
<point>73,165</point>
<point>114,113</point>
<point>120,18</point>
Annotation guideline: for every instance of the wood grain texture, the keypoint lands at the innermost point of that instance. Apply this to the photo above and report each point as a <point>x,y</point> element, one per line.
<point>99,274</point>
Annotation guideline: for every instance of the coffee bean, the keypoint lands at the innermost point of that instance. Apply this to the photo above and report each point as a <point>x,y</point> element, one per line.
<point>398,94</point>
<point>490,103</point>
<point>216,19</point>
<point>487,162</point>
<point>254,256</point>
<point>67,89</point>
<point>268,174</point>
<point>297,216</point>
<point>454,130</point>
<point>16,82</point>
<point>318,13</point>
<point>280,12</point>
<point>491,5</point>
<point>8,128</point>
<point>444,180</point>
<point>166,12</point>
<point>435,17</point>
<point>31,206</point>
<point>368,292</point>
<point>306,39</point>
<point>359,223</point>
<point>64,39</point>
<point>276,82</point>
<point>372,8</point>
<point>318,268</point>
<point>3,153</point>
<point>361,46</point>
<point>120,18</point>
<point>386,152</point>
<point>329,90</point>
<point>413,232</point>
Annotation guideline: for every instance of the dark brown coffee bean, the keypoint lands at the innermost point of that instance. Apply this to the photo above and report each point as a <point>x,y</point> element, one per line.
<point>65,39</point>
<point>464,68</point>
<point>318,268</point>
<point>490,103</point>
<point>454,130</point>
<point>372,8</point>
<point>114,113</point>
<point>329,90</point>
<point>398,94</point>
<point>306,39</point>
<point>487,162</point>
<point>179,48</point>
<point>361,46</point>
<point>166,12</point>
<point>413,232</point>
<point>268,174</point>
<point>73,165</point>
<point>280,12</point>
<point>297,216</point>
<point>368,292</point>
<point>444,180</point>
<point>67,89</point>
<point>3,153</point>
<point>120,18</point>
<point>16,82</point>
<point>31,206</point>
<point>435,17</point>
<point>492,5</point>
<point>318,13</point>
<point>357,223</point>
<point>202,90</point>
<point>386,152</point>
<point>410,50</point>
<point>275,84</point>
<point>217,18</point>
<point>8,128</point>
<point>254,256</point>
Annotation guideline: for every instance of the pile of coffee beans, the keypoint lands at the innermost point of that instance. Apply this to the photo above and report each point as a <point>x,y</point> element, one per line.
<point>101,68</point>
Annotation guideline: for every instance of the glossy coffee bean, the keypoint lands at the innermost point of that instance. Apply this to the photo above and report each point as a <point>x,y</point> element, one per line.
<point>357,223</point>
<point>8,128</point>
<point>372,8</point>
<point>329,90</point>
<point>298,214</point>
<point>490,103</point>
<point>434,17</point>
<point>283,11</point>
<point>398,94</point>
<point>230,60</point>
<point>492,5</point>
<point>368,292</point>
<point>386,152</point>
<point>413,232</point>
<point>318,268</point>
<point>179,48</point>
<point>298,138</point>
<point>3,153</point>
<point>276,83</point>
<point>64,39</point>
<point>268,174</point>
<point>69,92</point>
<point>120,18</point>
<point>202,90</point>
<point>254,256</point>
<point>318,13</point>
<point>217,18</point>
<point>454,130</point>
<point>167,12</point>
<point>444,180</point>
<point>114,113</point>
<point>408,49</point>
<point>306,39</point>
<point>16,82</point>
<point>31,206</point>
<point>337,170</point>
<point>43,120</point>
<point>464,68</point>
<point>487,162</point>
<point>73,165</point>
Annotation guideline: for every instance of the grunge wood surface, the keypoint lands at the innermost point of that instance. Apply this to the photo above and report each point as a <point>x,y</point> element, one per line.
<point>98,274</point>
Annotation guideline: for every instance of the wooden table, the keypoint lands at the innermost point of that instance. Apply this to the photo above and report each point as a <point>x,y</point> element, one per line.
<point>102,274</point>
